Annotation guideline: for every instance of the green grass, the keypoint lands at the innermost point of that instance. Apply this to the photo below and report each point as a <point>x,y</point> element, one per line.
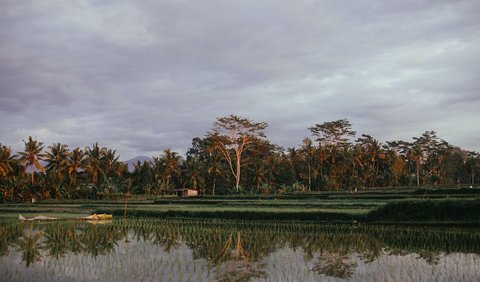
<point>401,206</point>
<point>445,210</point>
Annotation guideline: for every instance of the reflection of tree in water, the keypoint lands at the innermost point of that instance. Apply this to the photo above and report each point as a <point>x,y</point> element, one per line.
<point>335,252</point>
<point>168,236</point>
<point>9,236</point>
<point>62,237</point>
<point>235,250</point>
<point>430,257</point>
<point>56,240</point>
<point>100,239</point>
<point>335,265</point>
<point>142,230</point>
<point>30,246</point>
<point>238,264</point>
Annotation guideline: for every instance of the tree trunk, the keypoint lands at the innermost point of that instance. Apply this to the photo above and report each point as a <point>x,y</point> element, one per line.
<point>418,174</point>
<point>214,183</point>
<point>237,176</point>
<point>309,176</point>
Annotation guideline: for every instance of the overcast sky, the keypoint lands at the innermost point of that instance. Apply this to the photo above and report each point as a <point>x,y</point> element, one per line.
<point>143,76</point>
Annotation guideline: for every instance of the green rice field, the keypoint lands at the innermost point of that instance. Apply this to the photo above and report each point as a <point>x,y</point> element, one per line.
<point>369,236</point>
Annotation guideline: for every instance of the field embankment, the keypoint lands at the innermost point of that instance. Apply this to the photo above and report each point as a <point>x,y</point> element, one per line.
<point>443,206</point>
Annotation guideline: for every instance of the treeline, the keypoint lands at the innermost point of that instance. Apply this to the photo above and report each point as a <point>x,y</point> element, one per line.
<point>236,157</point>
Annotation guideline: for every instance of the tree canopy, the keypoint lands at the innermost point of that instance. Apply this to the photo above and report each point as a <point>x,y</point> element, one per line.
<point>235,156</point>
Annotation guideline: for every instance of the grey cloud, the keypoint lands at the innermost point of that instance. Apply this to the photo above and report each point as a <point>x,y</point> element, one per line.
<point>142,77</point>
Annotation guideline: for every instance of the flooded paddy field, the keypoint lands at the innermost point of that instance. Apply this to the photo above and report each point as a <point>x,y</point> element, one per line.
<point>227,250</point>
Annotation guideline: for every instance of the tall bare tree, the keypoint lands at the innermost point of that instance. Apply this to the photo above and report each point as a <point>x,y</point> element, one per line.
<point>232,136</point>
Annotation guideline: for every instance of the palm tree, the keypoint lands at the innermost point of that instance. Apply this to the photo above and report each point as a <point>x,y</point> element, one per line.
<point>214,168</point>
<point>357,163</point>
<point>75,161</point>
<point>144,177</point>
<point>93,162</point>
<point>110,163</point>
<point>372,153</point>
<point>171,163</point>
<point>334,136</point>
<point>193,169</point>
<point>322,154</point>
<point>6,160</point>
<point>416,154</point>
<point>6,168</point>
<point>158,172</point>
<point>294,162</point>
<point>111,169</point>
<point>472,163</point>
<point>31,156</point>
<point>57,158</point>
<point>308,151</point>
<point>258,175</point>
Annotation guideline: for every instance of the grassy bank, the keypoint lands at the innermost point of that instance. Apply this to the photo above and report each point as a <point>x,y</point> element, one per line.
<point>443,206</point>
<point>447,210</point>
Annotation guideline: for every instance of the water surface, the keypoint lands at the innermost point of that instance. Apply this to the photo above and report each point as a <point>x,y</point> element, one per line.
<point>216,250</point>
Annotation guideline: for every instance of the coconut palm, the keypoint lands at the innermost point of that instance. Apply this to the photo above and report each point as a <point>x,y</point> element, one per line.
<point>193,169</point>
<point>31,156</point>
<point>6,160</point>
<point>57,157</point>
<point>75,162</point>
<point>214,168</point>
<point>372,154</point>
<point>416,154</point>
<point>308,151</point>
<point>93,162</point>
<point>110,164</point>
<point>473,163</point>
<point>144,177</point>
<point>171,164</point>
<point>334,137</point>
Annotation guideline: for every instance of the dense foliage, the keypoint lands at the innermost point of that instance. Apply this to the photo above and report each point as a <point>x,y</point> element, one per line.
<point>333,159</point>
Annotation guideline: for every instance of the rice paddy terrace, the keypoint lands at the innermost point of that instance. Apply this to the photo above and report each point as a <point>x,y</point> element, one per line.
<point>415,235</point>
<point>406,206</point>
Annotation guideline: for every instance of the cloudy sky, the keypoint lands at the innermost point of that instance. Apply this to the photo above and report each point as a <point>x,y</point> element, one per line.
<point>143,76</point>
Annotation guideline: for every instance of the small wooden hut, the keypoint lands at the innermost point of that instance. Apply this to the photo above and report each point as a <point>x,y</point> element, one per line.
<point>182,192</point>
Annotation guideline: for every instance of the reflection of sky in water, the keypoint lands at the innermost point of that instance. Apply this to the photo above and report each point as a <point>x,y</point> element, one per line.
<point>144,261</point>
<point>289,265</point>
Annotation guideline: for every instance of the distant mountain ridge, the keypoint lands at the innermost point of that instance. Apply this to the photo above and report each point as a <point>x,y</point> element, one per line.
<point>131,162</point>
